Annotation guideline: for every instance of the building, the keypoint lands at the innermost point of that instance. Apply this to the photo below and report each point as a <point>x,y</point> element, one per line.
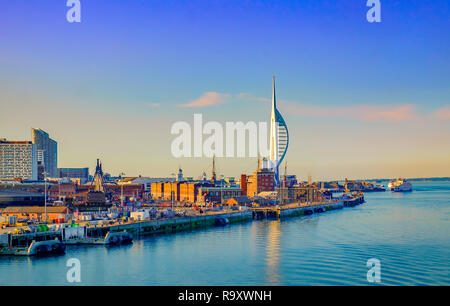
<point>61,190</point>
<point>145,181</point>
<point>302,194</point>
<point>133,192</point>
<point>47,153</point>
<point>240,201</point>
<point>186,192</point>
<point>76,173</point>
<point>218,194</point>
<point>263,179</point>
<point>279,137</point>
<point>13,197</point>
<point>37,212</point>
<point>18,159</point>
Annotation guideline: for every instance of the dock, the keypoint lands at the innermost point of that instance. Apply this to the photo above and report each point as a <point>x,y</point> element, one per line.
<point>303,208</point>
<point>171,225</point>
<point>19,244</point>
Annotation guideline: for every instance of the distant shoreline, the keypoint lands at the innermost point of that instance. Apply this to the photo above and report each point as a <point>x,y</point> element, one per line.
<point>415,179</point>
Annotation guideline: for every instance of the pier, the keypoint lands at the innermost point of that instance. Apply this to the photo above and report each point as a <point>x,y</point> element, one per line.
<point>303,208</point>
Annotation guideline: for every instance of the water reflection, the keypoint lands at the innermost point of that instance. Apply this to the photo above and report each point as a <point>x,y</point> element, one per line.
<point>273,252</point>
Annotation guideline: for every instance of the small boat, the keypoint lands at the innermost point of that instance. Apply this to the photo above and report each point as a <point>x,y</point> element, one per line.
<point>79,235</point>
<point>45,248</point>
<point>400,185</point>
<point>36,248</point>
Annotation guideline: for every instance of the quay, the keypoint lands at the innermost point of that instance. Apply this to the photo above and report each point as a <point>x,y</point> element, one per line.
<point>305,208</point>
<point>54,241</point>
<point>171,225</point>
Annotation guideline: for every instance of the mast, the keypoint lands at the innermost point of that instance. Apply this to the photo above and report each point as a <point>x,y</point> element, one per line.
<point>213,176</point>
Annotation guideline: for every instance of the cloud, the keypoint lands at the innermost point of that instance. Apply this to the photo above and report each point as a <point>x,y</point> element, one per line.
<point>153,104</point>
<point>402,112</point>
<point>442,113</point>
<point>250,97</point>
<point>208,99</point>
<point>360,112</point>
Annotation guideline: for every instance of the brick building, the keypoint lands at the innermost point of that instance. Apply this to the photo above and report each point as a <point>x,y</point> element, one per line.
<point>62,190</point>
<point>262,180</point>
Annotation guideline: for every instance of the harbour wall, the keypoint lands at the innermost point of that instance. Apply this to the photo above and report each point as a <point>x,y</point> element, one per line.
<point>165,226</point>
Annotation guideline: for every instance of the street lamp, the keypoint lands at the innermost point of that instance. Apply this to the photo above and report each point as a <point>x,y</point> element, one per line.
<point>45,194</point>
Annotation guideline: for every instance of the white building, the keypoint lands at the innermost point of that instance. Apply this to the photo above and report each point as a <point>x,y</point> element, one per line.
<point>18,159</point>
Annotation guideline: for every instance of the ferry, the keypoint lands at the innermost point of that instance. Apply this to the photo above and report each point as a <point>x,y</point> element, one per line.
<point>400,185</point>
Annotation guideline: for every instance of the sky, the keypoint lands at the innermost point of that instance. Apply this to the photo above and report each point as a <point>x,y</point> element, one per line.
<point>361,100</point>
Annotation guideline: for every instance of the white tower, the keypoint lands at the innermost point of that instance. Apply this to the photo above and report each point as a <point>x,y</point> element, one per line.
<point>279,137</point>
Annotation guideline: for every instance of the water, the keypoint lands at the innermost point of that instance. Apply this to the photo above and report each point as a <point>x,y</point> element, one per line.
<point>409,233</point>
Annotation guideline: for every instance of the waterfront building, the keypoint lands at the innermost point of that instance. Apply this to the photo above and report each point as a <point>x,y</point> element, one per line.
<point>76,173</point>
<point>186,192</point>
<point>218,194</point>
<point>18,159</point>
<point>189,192</point>
<point>263,179</point>
<point>47,153</point>
<point>37,212</point>
<point>279,137</point>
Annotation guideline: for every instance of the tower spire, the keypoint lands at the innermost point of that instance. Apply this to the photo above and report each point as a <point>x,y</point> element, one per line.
<point>279,137</point>
<point>274,101</point>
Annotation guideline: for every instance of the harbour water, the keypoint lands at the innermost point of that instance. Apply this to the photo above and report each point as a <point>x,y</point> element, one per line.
<point>408,232</point>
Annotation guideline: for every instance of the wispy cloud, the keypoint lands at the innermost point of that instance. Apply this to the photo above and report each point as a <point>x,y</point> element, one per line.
<point>153,104</point>
<point>359,112</point>
<point>208,99</point>
<point>442,113</point>
<point>250,97</point>
<point>401,112</point>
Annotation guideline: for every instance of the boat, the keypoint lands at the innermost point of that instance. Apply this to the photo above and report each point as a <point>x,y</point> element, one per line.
<point>10,245</point>
<point>79,235</point>
<point>400,185</point>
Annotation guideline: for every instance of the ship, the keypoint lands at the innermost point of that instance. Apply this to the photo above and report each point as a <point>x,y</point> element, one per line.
<point>400,185</point>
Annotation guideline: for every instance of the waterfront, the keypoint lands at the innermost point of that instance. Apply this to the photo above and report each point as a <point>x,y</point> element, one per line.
<point>407,232</point>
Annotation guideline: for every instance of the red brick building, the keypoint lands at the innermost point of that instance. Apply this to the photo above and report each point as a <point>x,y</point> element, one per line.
<point>262,180</point>
<point>61,190</point>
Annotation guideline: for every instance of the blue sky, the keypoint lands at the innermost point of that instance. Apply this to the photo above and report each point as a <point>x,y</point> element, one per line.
<point>121,74</point>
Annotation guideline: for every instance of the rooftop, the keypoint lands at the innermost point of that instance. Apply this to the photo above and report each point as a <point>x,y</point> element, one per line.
<point>35,209</point>
<point>19,193</point>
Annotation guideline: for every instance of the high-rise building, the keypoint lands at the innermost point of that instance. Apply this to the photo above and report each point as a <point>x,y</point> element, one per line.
<point>18,159</point>
<point>279,137</point>
<point>47,153</point>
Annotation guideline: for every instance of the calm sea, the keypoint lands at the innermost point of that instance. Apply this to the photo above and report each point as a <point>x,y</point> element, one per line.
<point>409,233</point>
